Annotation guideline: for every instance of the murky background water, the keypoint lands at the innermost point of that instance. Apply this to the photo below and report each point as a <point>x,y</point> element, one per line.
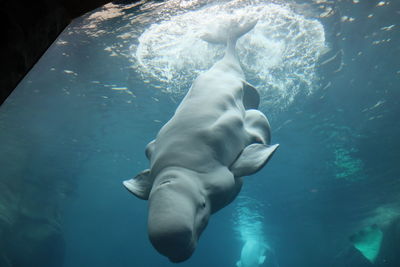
<point>77,126</point>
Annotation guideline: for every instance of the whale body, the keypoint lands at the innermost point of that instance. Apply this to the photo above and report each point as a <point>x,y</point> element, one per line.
<point>199,157</point>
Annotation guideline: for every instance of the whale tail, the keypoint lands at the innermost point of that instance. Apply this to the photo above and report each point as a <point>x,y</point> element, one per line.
<point>229,32</point>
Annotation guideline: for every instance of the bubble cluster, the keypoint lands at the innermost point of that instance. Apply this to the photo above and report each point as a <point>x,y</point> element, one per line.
<point>278,56</point>
<point>248,219</point>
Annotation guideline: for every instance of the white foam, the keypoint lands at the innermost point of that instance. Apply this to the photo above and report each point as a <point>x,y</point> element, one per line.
<point>278,56</point>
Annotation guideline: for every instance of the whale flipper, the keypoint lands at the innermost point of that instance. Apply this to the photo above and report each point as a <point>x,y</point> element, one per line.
<point>141,185</point>
<point>252,159</point>
<point>251,97</point>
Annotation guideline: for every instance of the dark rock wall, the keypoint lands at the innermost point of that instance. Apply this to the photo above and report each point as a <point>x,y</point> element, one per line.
<point>30,232</point>
<point>29,28</point>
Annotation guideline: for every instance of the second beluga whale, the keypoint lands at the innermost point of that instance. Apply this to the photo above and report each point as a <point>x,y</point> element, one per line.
<point>199,157</point>
<point>253,253</point>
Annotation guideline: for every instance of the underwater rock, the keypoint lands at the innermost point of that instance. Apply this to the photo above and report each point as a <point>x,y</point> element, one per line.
<point>200,155</point>
<point>31,27</point>
<point>12,157</point>
<point>30,234</point>
<point>29,227</point>
<point>35,243</point>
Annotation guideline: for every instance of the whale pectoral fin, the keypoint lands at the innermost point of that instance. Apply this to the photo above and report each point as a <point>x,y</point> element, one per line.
<point>141,185</point>
<point>251,97</point>
<point>239,264</point>
<point>261,260</point>
<point>149,149</point>
<point>252,159</point>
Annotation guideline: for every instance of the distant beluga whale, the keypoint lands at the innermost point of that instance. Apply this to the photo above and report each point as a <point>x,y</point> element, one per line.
<point>253,253</point>
<point>199,157</point>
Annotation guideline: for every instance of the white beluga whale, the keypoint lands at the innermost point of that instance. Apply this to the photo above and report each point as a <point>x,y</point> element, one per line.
<point>253,254</point>
<point>199,157</point>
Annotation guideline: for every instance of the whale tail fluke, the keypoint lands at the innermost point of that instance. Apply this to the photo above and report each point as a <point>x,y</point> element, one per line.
<point>240,28</point>
<point>228,31</point>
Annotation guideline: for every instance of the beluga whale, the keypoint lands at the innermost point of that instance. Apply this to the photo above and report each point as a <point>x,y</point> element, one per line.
<point>200,156</point>
<point>253,253</point>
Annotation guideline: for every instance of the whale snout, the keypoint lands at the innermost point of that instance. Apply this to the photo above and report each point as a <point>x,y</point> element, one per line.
<point>178,213</point>
<point>171,222</point>
<point>175,242</point>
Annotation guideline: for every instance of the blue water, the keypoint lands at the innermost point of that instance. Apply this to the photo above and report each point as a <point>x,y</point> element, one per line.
<point>78,123</point>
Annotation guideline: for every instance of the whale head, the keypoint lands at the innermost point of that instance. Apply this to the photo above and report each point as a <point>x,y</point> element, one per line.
<point>179,211</point>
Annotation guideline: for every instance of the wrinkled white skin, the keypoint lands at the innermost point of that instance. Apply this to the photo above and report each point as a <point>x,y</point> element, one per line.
<point>192,160</point>
<point>253,254</point>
